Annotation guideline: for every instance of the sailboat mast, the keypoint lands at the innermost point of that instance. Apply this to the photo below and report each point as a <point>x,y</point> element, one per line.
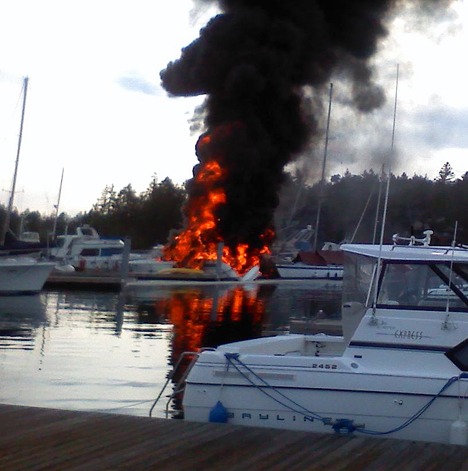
<point>322,181</point>
<point>57,207</point>
<point>6,223</point>
<point>386,169</point>
<point>389,159</point>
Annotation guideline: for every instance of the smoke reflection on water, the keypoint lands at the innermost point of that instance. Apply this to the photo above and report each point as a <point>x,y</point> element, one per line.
<point>112,353</point>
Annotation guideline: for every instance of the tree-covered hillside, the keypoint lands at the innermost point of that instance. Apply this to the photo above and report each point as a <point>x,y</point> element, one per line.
<point>348,209</point>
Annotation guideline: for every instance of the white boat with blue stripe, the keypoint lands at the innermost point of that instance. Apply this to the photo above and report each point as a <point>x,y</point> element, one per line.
<point>400,369</point>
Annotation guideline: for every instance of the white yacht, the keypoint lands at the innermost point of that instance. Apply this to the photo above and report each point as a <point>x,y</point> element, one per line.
<point>23,275</point>
<point>86,249</point>
<point>400,369</point>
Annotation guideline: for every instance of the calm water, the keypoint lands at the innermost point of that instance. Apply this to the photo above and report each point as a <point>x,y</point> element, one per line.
<point>112,352</point>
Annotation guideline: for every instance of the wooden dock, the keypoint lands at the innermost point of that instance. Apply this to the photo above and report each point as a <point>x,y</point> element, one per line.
<point>86,280</point>
<point>103,280</point>
<point>50,439</point>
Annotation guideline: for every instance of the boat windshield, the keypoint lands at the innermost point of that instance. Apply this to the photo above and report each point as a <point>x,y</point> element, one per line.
<point>424,285</point>
<point>357,277</point>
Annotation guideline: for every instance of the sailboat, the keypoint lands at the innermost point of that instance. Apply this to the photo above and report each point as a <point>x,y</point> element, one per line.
<point>20,274</point>
<point>298,261</point>
<point>309,263</point>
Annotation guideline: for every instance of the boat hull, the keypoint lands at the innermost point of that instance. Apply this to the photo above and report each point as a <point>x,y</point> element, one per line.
<point>23,276</point>
<point>248,411</point>
<point>301,271</point>
<point>402,371</point>
<point>322,395</point>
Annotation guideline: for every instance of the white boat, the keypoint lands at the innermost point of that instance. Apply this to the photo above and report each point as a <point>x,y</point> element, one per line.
<point>297,261</point>
<point>325,264</point>
<point>307,264</point>
<point>20,275</point>
<point>302,271</point>
<point>86,250</point>
<point>146,266</point>
<point>23,275</point>
<point>310,266</point>
<point>400,369</point>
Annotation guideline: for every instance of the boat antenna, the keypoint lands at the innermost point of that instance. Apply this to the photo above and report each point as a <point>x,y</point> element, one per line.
<point>322,180</point>
<point>6,222</point>
<point>446,325</point>
<point>361,218</point>
<point>377,211</point>
<point>56,206</point>
<point>387,190</point>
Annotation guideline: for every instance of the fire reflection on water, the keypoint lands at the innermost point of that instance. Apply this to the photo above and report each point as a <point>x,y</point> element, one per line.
<point>204,317</point>
<point>211,316</point>
<point>208,315</point>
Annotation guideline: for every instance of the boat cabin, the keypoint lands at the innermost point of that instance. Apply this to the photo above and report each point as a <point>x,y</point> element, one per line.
<point>412,297</point>
<point>426,278</point>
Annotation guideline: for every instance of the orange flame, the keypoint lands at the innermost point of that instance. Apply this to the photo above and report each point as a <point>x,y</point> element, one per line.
<point>200,239</point>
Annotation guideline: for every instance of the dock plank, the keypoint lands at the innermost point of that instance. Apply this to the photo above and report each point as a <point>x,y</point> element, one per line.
<point>49,439</point>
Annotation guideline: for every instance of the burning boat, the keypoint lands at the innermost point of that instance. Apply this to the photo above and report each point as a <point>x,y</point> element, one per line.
<point>263,67</point>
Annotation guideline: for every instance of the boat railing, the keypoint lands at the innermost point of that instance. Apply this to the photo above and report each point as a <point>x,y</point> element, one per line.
<point>180,385</point>
<point>412,240</point>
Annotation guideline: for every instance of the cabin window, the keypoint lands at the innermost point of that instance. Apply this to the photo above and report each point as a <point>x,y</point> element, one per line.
<point>89,252</point>
<point>357,277</point>
<point>107,252</point>
<point>423,286</point>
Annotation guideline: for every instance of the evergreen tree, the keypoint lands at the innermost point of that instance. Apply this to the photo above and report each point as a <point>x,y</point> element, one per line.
<point>446,173</point>
<point>349,209</point>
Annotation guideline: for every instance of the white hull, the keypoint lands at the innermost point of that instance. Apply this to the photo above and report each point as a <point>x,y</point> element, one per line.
<point>23,275</point>
<point>302,271</point>
<point>312,393</point>
<point>376,411</point>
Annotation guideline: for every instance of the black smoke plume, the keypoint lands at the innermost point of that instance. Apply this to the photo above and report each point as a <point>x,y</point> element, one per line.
<point>254,62</point>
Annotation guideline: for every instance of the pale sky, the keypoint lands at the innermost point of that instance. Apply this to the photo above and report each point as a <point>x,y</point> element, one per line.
<point>95,106</point>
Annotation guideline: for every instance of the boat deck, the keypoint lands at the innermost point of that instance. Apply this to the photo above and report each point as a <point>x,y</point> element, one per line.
<point>50,439</point>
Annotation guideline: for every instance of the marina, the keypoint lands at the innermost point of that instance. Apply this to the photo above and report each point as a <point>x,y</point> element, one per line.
<point>227,337</point>
<point>83,361</point>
